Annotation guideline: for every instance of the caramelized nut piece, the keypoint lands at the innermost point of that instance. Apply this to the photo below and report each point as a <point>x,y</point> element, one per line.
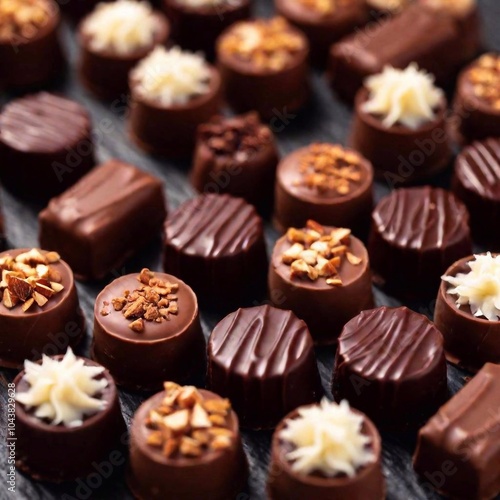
<point>137,325</point>
<point>177,421</point>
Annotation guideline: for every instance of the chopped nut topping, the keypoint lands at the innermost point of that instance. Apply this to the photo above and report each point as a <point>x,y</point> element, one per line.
<point>187,425</point>
<point>317,252</point>
<point>324,7</point>
<point>454,7</point>
<point>485,77</point>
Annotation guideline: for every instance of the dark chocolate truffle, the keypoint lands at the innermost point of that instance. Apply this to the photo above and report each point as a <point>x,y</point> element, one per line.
<point>147,329</point>
<point>185,443</point>
<point>45,145</point>
<point>391,365</point>
<point>416,234</point>
<point>216,244</point>
<point>326,183</point>
<point>67,418</point>
<point>263,360</point>
<point>323,275</point>
<point>39,312</point>
<point>263,65</point>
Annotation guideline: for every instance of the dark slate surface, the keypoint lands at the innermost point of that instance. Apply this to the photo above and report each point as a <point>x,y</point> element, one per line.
<point>325,119</point>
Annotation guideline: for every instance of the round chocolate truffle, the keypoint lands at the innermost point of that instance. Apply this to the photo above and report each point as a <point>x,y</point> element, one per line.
<point>172,92</point>
<point>45,145</point>
<point>236,156</point>
<point>147,329</point>
<point>263,360</point>
<point>400,125</point>
<point>216,244</point>
<point>68,418</point>
<point>466,311</point>
<point>113,39</point>
<point>40,311</point>
<point>263,65</point>
<point>391,365</point>
<point>184,444</point>
<point>326,452</point>
<point>326,183</point>
<point>198,23</point>
<point>323,275</point>
<point>416,234</point>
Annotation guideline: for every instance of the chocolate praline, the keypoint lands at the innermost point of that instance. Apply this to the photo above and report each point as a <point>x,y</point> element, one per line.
<point>416,234</point>
<point>173,349</point>
<point>262,359</point>
<point>391,365</point>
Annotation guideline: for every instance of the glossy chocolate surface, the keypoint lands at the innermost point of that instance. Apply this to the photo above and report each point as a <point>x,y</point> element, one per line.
<point>104,219</point>
<point>263,360</point>
<point>390,364</point>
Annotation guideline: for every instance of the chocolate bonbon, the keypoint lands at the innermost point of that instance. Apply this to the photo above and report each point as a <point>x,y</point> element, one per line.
<point>262,359</point>
<point>104,219</point>
<point>391,365</point>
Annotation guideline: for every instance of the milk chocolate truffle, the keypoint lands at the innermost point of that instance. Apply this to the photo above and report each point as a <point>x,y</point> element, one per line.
<point>30,54</point>
<point>172,92</point>
<point>467,313</point>
<point>45,145</point>
<point>113,39</point>
<point>236,156</point>
<point>67,417</point>
<point>400,125</point>
<point>391,365</point>
<point>39,312</point>
<point>326,183</point>
<point>326,452</point>
<point>263,65</point>
<point>147,329</point>
<point>323,275</point>
<point>416,234</point>
<point>216,244</point>
<point>263,360</point>
<point>197,23</point>
<point>458,450</point>
<point>184,444</point>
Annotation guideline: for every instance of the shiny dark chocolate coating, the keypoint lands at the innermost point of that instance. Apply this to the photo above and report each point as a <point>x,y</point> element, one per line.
<point>216,475</point>
<point>416,234</point>
<point>458,450</point>
<point>59,453</point>
<point>42,330</point>
<point>104,219</point>
<point>45,145</point>
<point>216,244</point>
<point>390,364</point>
<point>171,350</point>
<point>263,360</point>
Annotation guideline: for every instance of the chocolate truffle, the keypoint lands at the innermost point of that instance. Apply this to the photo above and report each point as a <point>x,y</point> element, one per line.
<point>236,156</point>
<point>416,234</point>
<point>400,125</point>
<point>67,417</point>
<point>184,444</point>
<point>326,183</point>
<point>216,244</point>
<point>263,360</point>
<point>198,23</point>
<point>458,451</point>
<point>104,219</point>
<point>39,312</point>
<point>263,65</point>
<point>113,39</point>
<point>30,54</point>
<point>323,275</point>
<point>466,311</point>
<point>45,145</point>
<point>172,92</point>
<point>391,365</point>
<point>147,329</point>
<point>326,452</point>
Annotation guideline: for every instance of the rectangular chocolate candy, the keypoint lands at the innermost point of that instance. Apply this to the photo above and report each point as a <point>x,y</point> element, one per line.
<point>458,450</point>
<point>104,218</point>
